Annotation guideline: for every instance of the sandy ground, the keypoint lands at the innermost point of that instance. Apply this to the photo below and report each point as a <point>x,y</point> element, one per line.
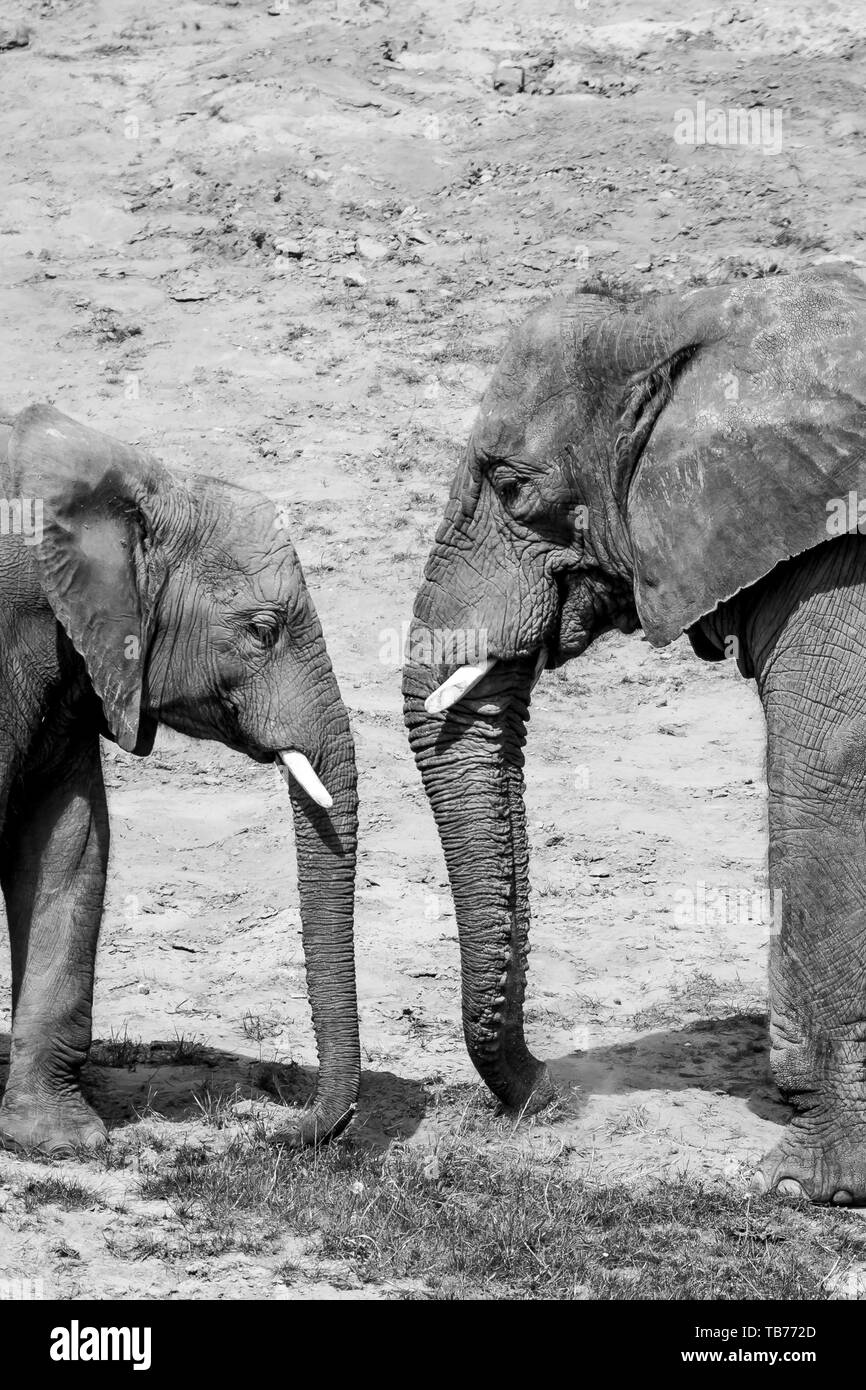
<point>284,248</point>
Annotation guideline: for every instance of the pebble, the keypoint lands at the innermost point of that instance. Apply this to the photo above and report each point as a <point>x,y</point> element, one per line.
<point>371,250</point>
<point>509,78</point>
<point>17,37</point>
<point>352,277</point>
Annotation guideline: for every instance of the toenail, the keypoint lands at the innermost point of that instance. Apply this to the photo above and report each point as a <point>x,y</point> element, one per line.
<point>788,1187</point>
<point>842,1198</point>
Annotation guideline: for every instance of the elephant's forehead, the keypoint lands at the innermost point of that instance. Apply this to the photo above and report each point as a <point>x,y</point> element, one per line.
<point>237,517</point>
<point>248,533</point>
<point>524,408</point>
<point>525,413</point>
<point>273,570</point>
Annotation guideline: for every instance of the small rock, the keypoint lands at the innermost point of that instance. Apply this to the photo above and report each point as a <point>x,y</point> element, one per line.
<point>144,989</point>
<point>352,277</point>
<point>643,265</point>
<point>189,293</point>
<point>509,78</point>
<point>17,37</point>
<point>371,250</point>
<point>288,248</point>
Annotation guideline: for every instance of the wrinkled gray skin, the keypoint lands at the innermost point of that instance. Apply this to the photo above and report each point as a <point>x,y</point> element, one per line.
<point>705,435</point>
<point>147,601</point>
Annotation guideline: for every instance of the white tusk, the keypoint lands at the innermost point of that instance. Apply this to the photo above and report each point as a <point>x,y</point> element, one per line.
<point>458,684</point>
<point>300,769</point>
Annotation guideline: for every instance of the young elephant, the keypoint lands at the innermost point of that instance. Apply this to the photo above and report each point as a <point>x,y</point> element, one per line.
<point>128,600</point>
<point>658,465</point>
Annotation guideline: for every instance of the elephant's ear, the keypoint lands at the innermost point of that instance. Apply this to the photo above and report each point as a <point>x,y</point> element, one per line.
<point>755,455</point>
<point>93,544</point>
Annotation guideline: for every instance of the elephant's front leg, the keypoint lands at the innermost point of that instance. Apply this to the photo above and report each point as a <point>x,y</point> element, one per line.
<point>54,855</point>
<point>813,686</point>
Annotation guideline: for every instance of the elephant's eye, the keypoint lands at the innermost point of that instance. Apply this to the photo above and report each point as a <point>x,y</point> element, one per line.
<point>506,484</point>
<point>265,629</point>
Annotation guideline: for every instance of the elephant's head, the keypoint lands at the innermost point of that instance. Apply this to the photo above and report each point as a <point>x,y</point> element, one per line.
<point>187,604</point>
<point>633,464</point>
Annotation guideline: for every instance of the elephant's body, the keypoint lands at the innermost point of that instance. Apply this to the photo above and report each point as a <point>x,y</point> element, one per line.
<point>135,600</point>
<point>766,419</point>
<point>681,464</point>
<point>42,678</point>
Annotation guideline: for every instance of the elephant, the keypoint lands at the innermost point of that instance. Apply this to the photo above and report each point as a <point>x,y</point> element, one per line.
<point>132,598</point>
<point>682,462</point>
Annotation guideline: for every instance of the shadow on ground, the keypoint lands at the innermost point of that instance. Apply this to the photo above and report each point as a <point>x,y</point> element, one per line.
<point>182,1083</point>
<point>726,1056</point>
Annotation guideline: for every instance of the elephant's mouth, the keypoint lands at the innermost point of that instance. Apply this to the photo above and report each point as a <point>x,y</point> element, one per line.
<point>486,684</point>
<point>292,763</point>
<point>486,687</point>
<point>591,602</point>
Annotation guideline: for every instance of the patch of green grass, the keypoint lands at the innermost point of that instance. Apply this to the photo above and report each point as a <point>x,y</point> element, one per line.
<point>464,1221</point>
<point>803,239</point>
<point>700,992</point>
<point>106,326</point>
<point>460,347</point>
<point>636,1118</point>
<point>67,1193</point>
<point>407,372</point>
<point>119,1051</point>
<point>259,1029</point>
<point>186,1051</point>
<point>217,1108</point>
<point>653,1018</point>
<point>292,334</point>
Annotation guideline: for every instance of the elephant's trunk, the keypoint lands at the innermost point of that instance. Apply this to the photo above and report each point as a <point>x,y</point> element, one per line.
<point>471,764</point>
<point>326,844</point>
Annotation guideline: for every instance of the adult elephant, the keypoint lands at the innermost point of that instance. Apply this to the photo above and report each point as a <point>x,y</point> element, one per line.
<point>689,463</point>
<point>129,599</point>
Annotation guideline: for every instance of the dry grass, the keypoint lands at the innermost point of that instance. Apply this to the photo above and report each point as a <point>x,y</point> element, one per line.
<point>67,1193</point>
<point>464,1221</point>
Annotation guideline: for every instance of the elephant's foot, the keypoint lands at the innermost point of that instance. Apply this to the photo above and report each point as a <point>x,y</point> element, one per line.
<point>812,1163</point>
<point>58,1129</point>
